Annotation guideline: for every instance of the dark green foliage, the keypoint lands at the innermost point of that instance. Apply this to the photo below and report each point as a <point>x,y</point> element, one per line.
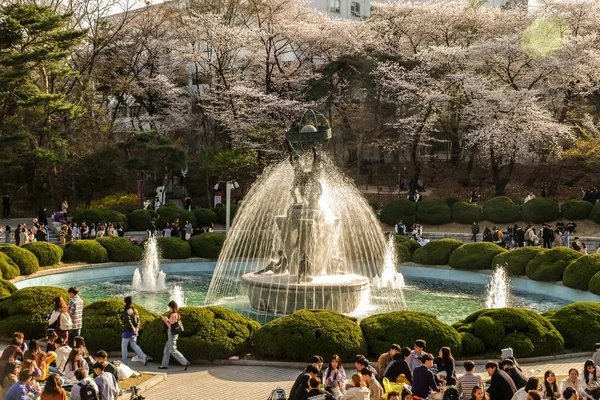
<point>501,209</point>
<point>516,260</point>
<point>549,265</point>
<point>579,273</point>
<point>405,247</point>
<point>222,213</point>
<point>47,253</point>
<point>397,210</point>
<point>6,288</point>
<point>451,201</point>
<point>490,331</point>
<point>595,213</point>
<point>168,214</point>
<point>174,248</point>
<point>25,311</point>
<point>207,245</point>
<point>303,333</point>
<point>540,209</point>
<point>403,253</point>
<point>594,285</point>
<point>466,213</point>
<point>8,267</point>
<point>433,212</point>
<point>210,333</point>
<point>576,209</point>
<point>405,327</point>
<point>88,251</point>
<point>205,216</point>
<point>120,249</point>
<point>475,255</point>
<point>26,261</point>
<point>520,343</point>
<point>579,324</point>
<point>436,252</point>
<point>101,215</point>
<point>102,323</point>
<point>471,344</point>
<point>139,220</point>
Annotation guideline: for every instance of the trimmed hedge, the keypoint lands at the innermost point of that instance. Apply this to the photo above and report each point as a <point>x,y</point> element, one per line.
<point>139,220</point>
<point>397,210</point>
<point>595,213</point>
<point>579,324</point>
<point>120,249</point>
<point>26,309</point>
<point>210,333</point>
<point>405,247</point>
<point>528,333</point>
<point>89,251</point>
<point>594,285</point>
<point>222,213</point>
<point>407,326</point>
<point>169,213</point>
<point>174,248</point>
<point>6,288</point>
<point>99,215</point>
<point>433,212</point>
<point>207,245</point>
<point>579,273</point>
<point>26,261</point>
<point>205,216</point>
<point>501,209</point>
<point>306,332</point>
<point>576,209</point>
<point>540,209</point>
<point>475,255</point>
<point>549,265</point>
<point>471,344</point>
<point>466,213</point>
<point>436,252</point>
<point>8,267</point>
<point>102,323</point>
<point>516,260</point>
<point>46,253</point>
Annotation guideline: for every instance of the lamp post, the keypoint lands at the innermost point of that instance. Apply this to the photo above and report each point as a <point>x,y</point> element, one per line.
<point>228,186</point>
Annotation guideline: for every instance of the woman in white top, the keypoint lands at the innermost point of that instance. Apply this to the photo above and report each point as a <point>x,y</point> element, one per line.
<point>532,384</point>
<point>75,362</point>
<point>574,382</point>
<point>550,387</point>
<point>359,391</point>
<point>591,380</point>
<point>61,319</point>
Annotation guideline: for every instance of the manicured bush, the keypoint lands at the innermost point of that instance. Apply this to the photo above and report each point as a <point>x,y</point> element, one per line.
<point>210,333</point>
<point>475,255</point>
<point>312,332</point>
<point>516,260</point>
<point>549,265</point>
<point>99,215</point>
<point>594,285</point>
<point>471,344</point>
<point>26,309</point>
<point>466,213</point>
<point>436,252</point>
<point>397,210</point>
<point>205,216</point>
<point>174,248</point>
<point>433,212</point>
<point>405,327</point>
<point>6,288</point>
<point>46,253</point>
<point>576,209</point>
<point>405,247</point>
<point>579,324</point>
<point>579,273</point>
<point>207,245</point>
<point>520,343</point>
<point>501,209</point>
<point>89,251</point>
<point>489,330</point>
<point>595,213</point>
<point>8,267</point>
<point>540,209</point>
<point>26,261</point>
<point>139,220</point>
<point>102,323</point>
<point>120,249</point>
<point>451,201</point>
<point>169,214</point>
<point>222,213</point>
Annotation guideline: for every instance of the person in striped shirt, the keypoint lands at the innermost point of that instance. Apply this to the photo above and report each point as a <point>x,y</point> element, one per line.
<point>466,383</point>
<point>75,312</point>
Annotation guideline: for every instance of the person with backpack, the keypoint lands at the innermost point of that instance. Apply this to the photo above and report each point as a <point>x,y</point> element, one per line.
<point>131,323</point>
<point>86,388</point>
<point>60,319</point>
<point>174,327</point>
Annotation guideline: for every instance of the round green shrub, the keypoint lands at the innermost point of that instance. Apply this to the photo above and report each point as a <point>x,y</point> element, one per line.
<point>475,255</point>
<point>549,265</point>
<point>169,214</point>
<point>26,309</point>
<point>405,247</point>
<point>595,213</point>
<point>405,327</point>
<point>205,216</point>
<point>471,344</point>
<point>579,324</point>
<point>6,288</point>
<point>520,343</point>
<point>120,249</point>
<point>88,251</point>
<point>433,212</point>
<point>174,248</point>
<point>490,331</point>
<point>102,323</point>
<point>540,209</point>
<point>207,245</point>
<point>501,209</point>
<point>466,213</point>
<point>576,209</point>
<point>451,201</point>
<point>436,252</point>
<point>46,253</point>
<point>397,210</point>
<point>516,260</point>
<point>594,285</point>
<point>311,332</point>
<point>139,220</point>
<point>26,261</point>
<point>222,213</point>
<point>579,273</point>
<point>100,215</point>
<point>8,267</point>
<point>210,333</point>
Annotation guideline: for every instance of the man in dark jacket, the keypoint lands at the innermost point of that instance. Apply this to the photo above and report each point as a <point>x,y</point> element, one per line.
<point>424,380</point>
<point>501,386</point>
<point>548,236</point>
<point>474,231</point>
<point>517,376</point>
<point>398,366</point>
<point>300,387</point>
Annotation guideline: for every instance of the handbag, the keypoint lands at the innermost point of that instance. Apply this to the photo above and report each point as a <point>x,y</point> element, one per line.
<point>177,328</point>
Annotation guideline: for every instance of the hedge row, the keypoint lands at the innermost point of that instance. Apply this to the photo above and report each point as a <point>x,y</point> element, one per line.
<point>500,209</point>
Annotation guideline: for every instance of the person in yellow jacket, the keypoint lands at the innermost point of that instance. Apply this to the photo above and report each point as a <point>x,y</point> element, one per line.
<point>43,361</point>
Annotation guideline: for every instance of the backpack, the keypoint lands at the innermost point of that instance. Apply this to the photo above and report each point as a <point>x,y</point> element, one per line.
<point>450,394</point>
<point>277,394</point>
<point>87,392</point>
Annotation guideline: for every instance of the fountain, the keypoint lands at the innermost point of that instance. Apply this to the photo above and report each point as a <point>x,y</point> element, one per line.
<point>178,296</point>
<point>151,278</point>
<point>498,290</point>
<point>329,248</point>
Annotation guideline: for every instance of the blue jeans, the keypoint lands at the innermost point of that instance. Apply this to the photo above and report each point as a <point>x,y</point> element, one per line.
<point>125,342</point>
<point>73,333</point>
<point>171,350</point>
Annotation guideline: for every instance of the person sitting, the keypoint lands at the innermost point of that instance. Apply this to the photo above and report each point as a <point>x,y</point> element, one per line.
<point>532,384</point>
<point>399,367</point>
<point>572,381</point>
<point>314,391</point>
<point>415,355</point>
<point>278,267</point>
<point>424,381</point>
<point>84,383</point>
<point>400,228</point>
<point>102,357</point>
<point>374,386</point>
<point>466,383</point>
<point>517,376</point>
<point>12,352</point>
<point>53,390</point>
<point>359,391</point>
<point>301,383</point>
<point>19,390</point>
<point>43,361</point>
<point>361,362</point>
<point>108,387</point>
<point>10,377</point>
<point>386,358</point>
<point>501,386</point>
<point>334,375</point>
<point>73,364</point>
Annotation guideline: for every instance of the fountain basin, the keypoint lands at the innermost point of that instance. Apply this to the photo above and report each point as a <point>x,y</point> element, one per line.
<point>281,294</point>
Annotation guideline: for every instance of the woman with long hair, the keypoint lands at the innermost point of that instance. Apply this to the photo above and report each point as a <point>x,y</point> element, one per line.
<point>131,324</point>
<point>32,351</point>
<point>9,377</point>
<point>79,344</point>
<point>532,384</point>
<point>43,361</point>
<point>74,362</point>
<point>334,375</point>
<point>550,387</point>
<point>445,362</point>
<point>60,319</point>
<point>591,381</point>
<point>173,324</point>
<point>479,394</point>
<point>359,391</point>
<point>53,390</point>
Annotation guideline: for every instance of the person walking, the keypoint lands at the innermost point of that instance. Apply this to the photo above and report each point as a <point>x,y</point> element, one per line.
<point>174,327</point>
<point>5,206</point>
<point>64,206</point>
<point>75,312</point>
<point>474,231</point>
<point>131,322</point>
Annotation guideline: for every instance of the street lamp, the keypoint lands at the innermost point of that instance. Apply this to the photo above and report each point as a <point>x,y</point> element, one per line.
<point>228,185</point>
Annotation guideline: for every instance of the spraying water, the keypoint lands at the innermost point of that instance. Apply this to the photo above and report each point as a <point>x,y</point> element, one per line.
<point>390,277</point>
<point>178,296</point>
<point>498,290</point>
<point>151,278</point>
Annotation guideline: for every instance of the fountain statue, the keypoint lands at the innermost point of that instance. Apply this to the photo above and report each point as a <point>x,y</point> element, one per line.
<point>151,278</point>
<point>498,289</point>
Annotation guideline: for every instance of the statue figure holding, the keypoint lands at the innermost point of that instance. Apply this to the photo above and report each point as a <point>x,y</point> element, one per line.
<point>305,271</point>
<point>278,267</point>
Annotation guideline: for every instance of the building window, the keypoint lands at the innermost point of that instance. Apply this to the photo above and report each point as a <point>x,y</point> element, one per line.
<point>355,9</point>
<point>334,6</point>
